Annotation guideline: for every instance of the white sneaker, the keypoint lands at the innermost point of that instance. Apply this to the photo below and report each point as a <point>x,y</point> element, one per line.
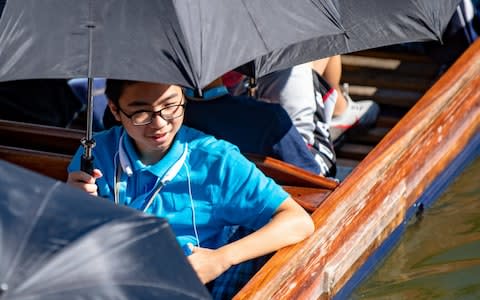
<point>358,114</point>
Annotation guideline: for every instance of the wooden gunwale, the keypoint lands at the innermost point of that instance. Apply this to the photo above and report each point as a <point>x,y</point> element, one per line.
<point>66,141</point>
<point>372,201</point>
<point>50,164</point>
<point>40,137</point>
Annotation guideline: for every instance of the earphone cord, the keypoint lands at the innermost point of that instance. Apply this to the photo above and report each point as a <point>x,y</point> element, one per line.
<point>192,205</point>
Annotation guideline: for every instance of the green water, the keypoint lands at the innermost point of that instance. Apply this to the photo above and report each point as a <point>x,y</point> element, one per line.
<point>438,257</point>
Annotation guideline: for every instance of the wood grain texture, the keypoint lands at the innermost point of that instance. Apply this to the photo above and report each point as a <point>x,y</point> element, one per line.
<point>358,215</point>
<point>287,174</point>
<point>309,198</point>
<point>40,137</point>
<point>53,165</point>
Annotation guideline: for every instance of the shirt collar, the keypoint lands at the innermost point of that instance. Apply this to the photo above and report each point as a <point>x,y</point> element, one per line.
<point>161,167</point>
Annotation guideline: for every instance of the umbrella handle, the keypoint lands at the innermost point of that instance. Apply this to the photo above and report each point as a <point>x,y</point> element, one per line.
<point>86,164</point>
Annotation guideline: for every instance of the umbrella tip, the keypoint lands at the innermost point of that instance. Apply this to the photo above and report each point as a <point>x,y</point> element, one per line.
<point>3,288</point>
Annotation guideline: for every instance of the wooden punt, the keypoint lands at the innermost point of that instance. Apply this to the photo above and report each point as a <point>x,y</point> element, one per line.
<point>394,165</point>
<point>436,136</point>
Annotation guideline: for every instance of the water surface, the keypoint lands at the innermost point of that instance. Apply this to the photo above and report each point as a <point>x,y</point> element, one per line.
<point>438,257</point>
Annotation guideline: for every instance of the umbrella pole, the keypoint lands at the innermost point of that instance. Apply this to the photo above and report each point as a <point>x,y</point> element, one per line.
<point>88,142</point>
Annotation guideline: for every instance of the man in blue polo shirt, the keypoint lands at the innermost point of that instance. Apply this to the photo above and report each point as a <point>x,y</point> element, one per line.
<point>200,184</point>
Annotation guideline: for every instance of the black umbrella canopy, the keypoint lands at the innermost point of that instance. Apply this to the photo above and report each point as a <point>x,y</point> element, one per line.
<point>56,242</point>
<point>367,24</point>
<point>189,42</point>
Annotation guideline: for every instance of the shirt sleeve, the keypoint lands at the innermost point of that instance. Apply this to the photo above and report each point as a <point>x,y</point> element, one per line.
<point>247,196</point>
<point>75,162</point>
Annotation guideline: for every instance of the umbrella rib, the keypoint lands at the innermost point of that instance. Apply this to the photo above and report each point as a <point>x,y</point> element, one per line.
<point>255,25</point>
<point>180,36</point>
<point>30,229</point>
<point>79,285</point>
<point>328,12</point>
<point>77,264</point>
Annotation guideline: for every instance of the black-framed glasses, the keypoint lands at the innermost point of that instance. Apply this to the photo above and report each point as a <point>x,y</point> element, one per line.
<point>145,117</point>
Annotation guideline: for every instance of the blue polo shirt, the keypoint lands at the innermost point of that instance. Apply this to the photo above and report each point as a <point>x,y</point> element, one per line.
<point>224,187</point>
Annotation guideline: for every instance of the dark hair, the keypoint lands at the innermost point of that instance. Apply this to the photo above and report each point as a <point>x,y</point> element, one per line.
<point>114,89</point>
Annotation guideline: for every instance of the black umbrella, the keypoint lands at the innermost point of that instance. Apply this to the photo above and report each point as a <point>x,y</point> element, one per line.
<point>58,243</point>
<point>367,24</point>
<point>189,43</point>
<point>192,42</point>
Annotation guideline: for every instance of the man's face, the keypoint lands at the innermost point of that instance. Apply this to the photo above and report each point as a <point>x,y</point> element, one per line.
<point>154,139</point>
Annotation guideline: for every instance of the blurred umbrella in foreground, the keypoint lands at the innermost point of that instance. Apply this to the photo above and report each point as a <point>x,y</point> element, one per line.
<point>58,243</point>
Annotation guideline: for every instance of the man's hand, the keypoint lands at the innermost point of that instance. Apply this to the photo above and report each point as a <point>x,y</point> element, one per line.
<point>208,263</point>
<point>85,181</point>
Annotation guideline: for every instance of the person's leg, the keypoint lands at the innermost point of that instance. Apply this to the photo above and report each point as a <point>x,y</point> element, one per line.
<point>320,65</point>
<point>332,73</point>
<point>292,88</point>
<point>295,91</point>
<point>347,113</point>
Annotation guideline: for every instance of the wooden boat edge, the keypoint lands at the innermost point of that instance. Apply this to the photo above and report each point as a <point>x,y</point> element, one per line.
<point>371,203</point>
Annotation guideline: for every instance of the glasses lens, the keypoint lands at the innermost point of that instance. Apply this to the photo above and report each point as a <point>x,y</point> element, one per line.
<point>172,112</point>
<point>142,118</point>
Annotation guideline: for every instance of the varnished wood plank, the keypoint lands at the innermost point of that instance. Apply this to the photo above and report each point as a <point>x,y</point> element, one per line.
<point>425,159</point>
<point>372,201</point>
<point>309,198</point>
<point>53,165</point>
<point>40,137</point>
<point>286,174</point>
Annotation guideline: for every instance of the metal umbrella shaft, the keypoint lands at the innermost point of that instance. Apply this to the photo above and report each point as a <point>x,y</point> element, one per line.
<point>88,142</point>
